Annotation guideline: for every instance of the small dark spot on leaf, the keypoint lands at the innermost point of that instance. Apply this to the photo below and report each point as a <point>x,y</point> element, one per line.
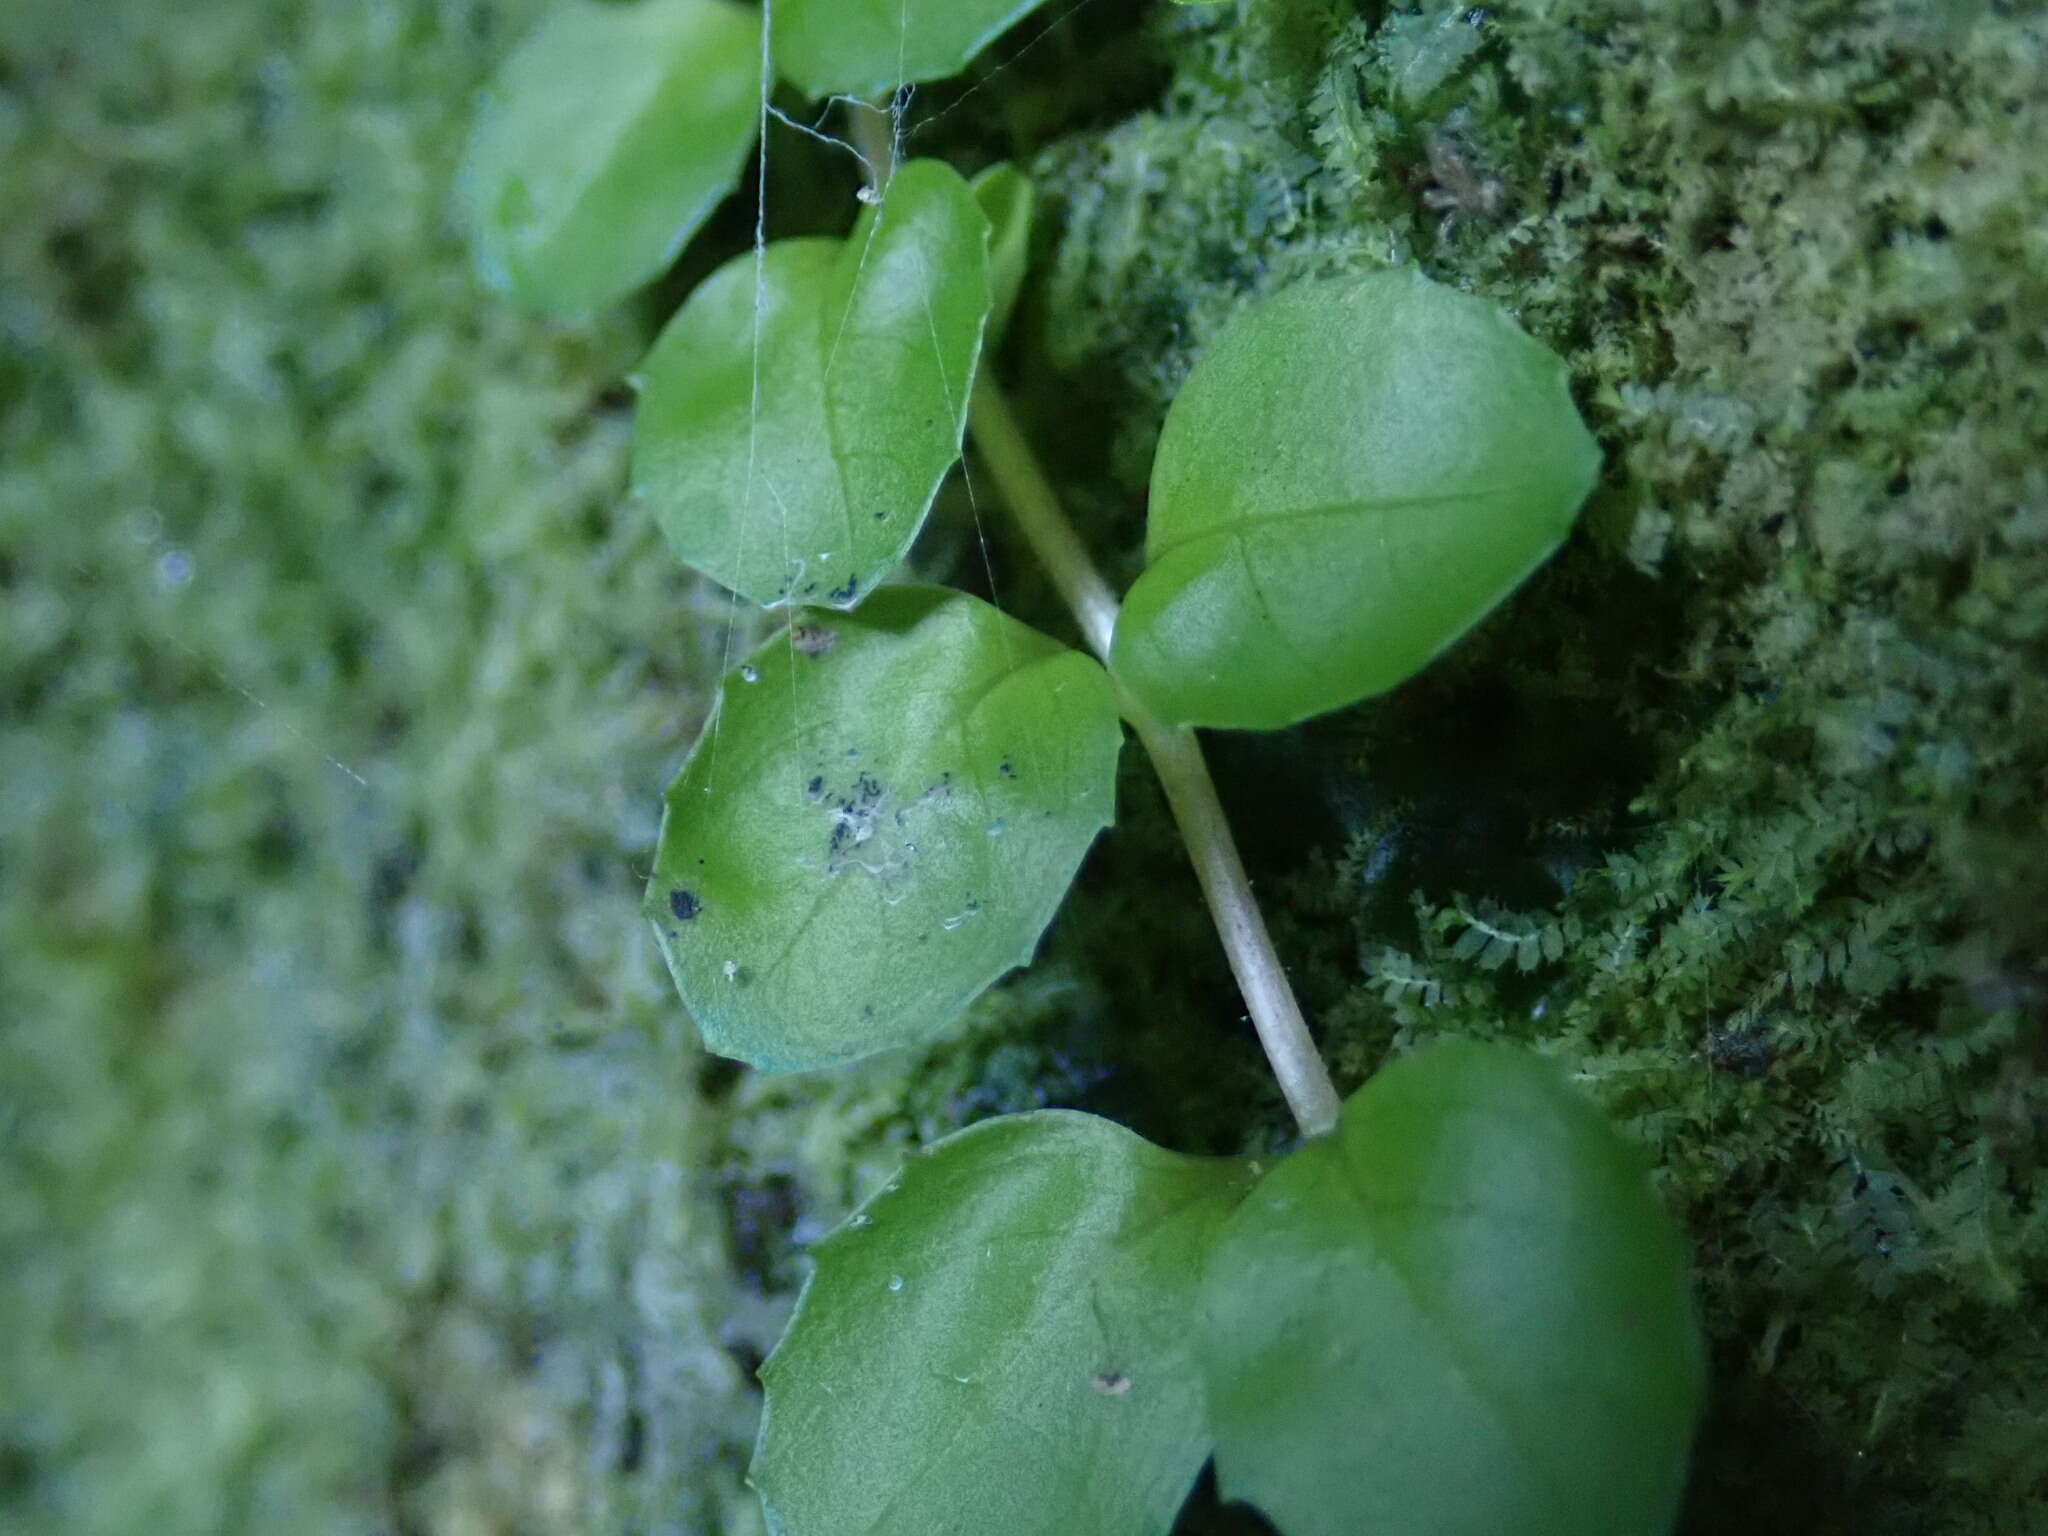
<point>1007,769</point>
<point>846,593</point>
<point>814,639</point>
<point>1113,1384</point>
<point>816,788</point>
<point>684,904</point>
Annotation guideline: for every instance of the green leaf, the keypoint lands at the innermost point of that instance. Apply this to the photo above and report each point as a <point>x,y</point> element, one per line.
<point>880,819</point>
<point>998,1342</point>
<point>1352,477</point>
<point>866,47</point>
<point>1462,1313</point>
<point>805,479</point>
<point>608,137</point>
<point>1007,199</point>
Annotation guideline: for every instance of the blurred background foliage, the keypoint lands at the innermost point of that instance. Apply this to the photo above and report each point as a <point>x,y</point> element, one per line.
<point>360,1172</point>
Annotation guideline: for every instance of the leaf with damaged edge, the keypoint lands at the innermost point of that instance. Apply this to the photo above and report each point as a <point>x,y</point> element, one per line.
<point>1355,474</point>
<point>866,47</point>
<point>1462,1313</point>
<point>605,141</point>
<point>879,821</point>
<point>806,482</point>
<point>998,1342</point>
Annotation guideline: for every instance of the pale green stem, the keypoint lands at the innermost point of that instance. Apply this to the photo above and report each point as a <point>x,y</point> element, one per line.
<point>874,135</point>
<point>1176,757</point>
<point>1037,510</point>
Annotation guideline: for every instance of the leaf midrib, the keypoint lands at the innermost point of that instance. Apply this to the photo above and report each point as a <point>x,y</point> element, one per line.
<point>1246,523</point>
<point>1486,1388</point>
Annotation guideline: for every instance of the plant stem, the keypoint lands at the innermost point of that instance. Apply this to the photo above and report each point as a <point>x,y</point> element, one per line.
<point>1176,757</point>
<point>874,137</point>
<point>1037,510</point>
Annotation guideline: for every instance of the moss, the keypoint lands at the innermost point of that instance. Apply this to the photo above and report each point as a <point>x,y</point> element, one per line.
<point>348,1129</point>
<point>364,1174</point>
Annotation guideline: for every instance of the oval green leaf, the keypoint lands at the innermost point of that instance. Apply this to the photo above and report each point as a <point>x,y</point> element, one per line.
<point>1356,473</point>
<point>805,478</point>
<point>606,140</point>
<point>998,1342</point>
<point>1007,199</point>
<point>1462,1313</point>
<point>866,47</point>
<point>880,820</point>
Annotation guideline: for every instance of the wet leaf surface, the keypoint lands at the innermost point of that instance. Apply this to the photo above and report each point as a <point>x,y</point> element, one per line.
<point>801,474</point>
<point>1355,473</point>
<point>998,1342</point>
<point>1462,1313</point>
<point>879,821</point>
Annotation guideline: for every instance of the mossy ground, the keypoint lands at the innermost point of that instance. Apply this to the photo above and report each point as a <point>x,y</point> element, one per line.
<point>362,1173</point>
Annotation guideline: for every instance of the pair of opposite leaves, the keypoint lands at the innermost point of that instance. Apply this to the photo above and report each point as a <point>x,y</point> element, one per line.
<point>1462,1313</point>
<point>615,129</point>
<point>890,802</point>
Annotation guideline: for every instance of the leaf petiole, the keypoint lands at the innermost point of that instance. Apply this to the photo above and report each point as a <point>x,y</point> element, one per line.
<point>1176,757</point>
<point>874,126</point>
